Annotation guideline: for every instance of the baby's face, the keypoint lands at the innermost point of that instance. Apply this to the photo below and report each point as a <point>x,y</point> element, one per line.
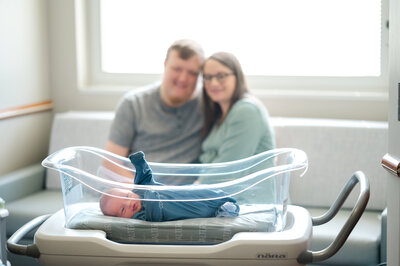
<point>123,207</point>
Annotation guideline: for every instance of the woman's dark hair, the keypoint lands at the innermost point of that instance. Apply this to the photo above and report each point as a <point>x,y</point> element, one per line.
<point>211,110</point>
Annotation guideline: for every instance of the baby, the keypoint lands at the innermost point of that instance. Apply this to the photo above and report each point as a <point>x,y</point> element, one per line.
<point>130,205</point>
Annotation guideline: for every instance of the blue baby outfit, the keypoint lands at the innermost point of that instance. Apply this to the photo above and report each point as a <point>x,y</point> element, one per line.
<point>158,211</point>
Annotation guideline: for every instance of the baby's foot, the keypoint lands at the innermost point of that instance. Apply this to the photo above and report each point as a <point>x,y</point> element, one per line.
<point>143,174</point>
<point>137,156</point>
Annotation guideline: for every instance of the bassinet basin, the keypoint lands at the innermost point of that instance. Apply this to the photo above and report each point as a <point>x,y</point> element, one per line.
<point>259,184</point>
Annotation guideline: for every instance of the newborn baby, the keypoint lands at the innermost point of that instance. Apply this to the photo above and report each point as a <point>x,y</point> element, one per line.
<point>131,205</point>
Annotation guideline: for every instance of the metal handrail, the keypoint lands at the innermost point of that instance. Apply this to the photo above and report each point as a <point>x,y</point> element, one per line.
<point>31,249</point>
<point>309,256</point>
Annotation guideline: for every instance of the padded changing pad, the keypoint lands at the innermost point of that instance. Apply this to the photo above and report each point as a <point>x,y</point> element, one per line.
<point>190,231</point>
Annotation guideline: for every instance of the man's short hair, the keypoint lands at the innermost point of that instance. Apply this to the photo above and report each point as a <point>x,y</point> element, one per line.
<point>186,49</point>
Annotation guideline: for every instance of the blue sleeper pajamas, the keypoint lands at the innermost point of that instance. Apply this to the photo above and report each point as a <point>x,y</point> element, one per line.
<point>159,211</point>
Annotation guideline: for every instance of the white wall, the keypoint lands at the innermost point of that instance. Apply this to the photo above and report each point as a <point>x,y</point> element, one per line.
<point>24,79</point>
<point>392,181</point>
<point>66,94</point>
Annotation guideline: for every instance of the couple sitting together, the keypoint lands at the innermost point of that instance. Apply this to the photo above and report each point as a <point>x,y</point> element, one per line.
<point>173,122</point>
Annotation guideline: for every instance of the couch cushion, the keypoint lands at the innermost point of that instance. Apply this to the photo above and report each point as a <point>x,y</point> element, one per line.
<point>22,182</point>
<point>77,129</point>
<point>25,209</point>
<point>362,246</point>
<point>336,149</point>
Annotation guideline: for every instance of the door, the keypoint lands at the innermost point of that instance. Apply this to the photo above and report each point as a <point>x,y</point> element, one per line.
<point>393,180</point>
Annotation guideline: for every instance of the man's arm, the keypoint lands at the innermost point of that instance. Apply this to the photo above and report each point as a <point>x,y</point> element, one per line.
<point>121,174</point>
<point>117,149</point>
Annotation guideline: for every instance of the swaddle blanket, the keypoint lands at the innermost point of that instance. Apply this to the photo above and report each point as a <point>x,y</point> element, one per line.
<point>158,211</point>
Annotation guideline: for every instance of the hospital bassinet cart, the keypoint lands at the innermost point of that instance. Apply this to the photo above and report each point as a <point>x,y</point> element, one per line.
<point>270,232</point>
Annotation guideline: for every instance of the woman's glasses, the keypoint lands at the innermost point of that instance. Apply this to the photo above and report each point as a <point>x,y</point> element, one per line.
<point>220,77</point>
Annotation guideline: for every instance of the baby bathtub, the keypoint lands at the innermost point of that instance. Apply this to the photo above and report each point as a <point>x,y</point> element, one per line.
<point>270,232</point>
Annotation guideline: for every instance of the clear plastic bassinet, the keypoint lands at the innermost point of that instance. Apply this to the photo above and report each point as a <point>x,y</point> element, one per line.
<point>257,183</point>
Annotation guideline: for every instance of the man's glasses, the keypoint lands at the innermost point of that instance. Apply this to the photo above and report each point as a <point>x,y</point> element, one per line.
<point>220,77</point>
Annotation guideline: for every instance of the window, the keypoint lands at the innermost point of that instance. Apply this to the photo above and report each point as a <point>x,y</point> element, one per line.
<point>281,44</point>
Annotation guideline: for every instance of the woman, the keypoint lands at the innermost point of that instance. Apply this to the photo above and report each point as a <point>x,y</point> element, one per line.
<point>236,124</point>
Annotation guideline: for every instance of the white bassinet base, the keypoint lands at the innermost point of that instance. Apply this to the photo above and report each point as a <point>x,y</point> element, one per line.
<point>63,246</point>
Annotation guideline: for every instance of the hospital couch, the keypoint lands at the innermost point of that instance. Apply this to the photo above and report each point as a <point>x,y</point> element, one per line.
<point>335,148</point>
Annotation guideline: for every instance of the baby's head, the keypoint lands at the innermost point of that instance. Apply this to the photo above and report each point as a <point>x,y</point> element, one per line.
<point>125,204</point>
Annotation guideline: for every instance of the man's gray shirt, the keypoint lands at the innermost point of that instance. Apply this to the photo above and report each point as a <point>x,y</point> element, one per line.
<point>165,134</point>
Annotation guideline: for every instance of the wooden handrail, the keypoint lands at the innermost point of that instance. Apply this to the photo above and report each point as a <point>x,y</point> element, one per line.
<point>26,109</point>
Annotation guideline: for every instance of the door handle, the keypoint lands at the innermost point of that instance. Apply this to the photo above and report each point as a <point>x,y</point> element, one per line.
<point>391,163</point>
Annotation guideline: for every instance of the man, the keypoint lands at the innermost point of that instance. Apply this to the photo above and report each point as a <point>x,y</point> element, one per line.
<point>163,120</point>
